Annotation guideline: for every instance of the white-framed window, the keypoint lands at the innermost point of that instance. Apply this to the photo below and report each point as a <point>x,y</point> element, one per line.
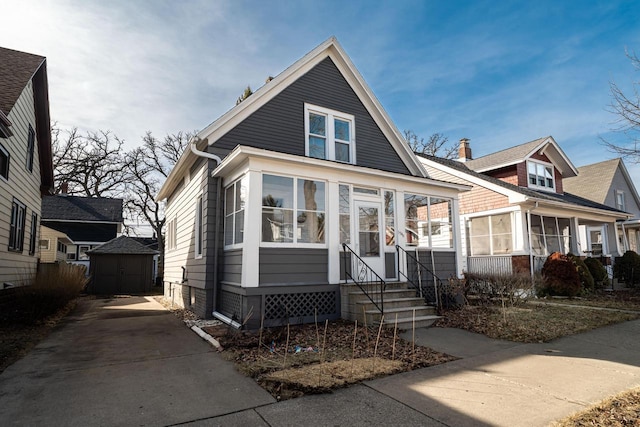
<point>620,205</point>
<point>62,248</point>
<point>491,235</point>
<point>429,221</point>
<point>389,219</point>
<point>329,134</point>
<point>293,210</point>
<point>345,213</point>
<point>540,175</point>
<point>172,227</point>
<point>235,199</point>
<point>82,252</point>
<point>71,256</point>
<point>44,244</point>
<point>550,234</point>
<point>199,221</point>
<point>4,162</point>
<point>16,230</point>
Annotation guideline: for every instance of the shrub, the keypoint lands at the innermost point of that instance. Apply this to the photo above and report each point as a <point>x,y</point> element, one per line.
<point>598,271</point>
<point>560,276</point>
<point>51,290</point>
<point>511,288</point>
<point>586,279</point>
<point>627,268</point>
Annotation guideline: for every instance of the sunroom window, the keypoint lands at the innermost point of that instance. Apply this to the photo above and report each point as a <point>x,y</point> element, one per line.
<point>491,235</point>
<point>293,210</point>
<point>540,175</point>
<point>550,234</point>
<point>235,199</point>
<point>428,221</point>
<point>329,134</point>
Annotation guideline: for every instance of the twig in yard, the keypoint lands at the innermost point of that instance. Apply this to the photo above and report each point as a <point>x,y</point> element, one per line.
<point>286,349</point>
<point>375,351</point>
<point>353,351</point>
<point>413,339</point>
<point>261,328</point>
<point>247,317</point>
<point>395,335</point>
<point>366,330</point>
<point>317,331</point>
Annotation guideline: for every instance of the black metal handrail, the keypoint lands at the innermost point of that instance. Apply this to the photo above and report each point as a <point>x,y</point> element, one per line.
<point>420,287</point>
<point>365,278</point>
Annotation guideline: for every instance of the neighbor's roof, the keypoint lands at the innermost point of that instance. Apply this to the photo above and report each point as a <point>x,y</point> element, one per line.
<point>568,198</point>
<point>86,209</point>
<point>122,245</point>
<point>16,69</point>
<point>594,181</point>
<point>522,152</point>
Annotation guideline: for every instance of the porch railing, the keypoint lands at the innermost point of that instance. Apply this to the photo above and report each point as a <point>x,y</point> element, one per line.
<point>426,283</point>
<point>356,270</point>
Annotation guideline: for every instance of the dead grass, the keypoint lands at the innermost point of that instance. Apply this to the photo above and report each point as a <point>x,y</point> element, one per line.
<point>302,359</point>
<point>620,410</point>
<point>620,300</point>
<point>531,322</point>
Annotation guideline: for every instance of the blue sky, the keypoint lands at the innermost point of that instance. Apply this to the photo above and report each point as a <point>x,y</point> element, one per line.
<point>499,73</point>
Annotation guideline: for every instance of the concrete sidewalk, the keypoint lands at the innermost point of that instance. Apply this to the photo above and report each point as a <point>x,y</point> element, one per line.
<point>130,362</point>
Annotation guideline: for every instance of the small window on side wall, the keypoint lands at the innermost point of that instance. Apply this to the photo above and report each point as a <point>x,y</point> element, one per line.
<point>31,142</point>
<point>4,162</point>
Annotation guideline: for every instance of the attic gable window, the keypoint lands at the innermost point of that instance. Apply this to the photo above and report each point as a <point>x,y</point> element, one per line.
<point>329,134</point>
<point>540,175</point>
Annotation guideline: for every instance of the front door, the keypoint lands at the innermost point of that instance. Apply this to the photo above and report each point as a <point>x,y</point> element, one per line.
<point>369,241</point>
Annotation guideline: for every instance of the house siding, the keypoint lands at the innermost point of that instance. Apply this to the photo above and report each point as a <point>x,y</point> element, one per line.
<point>24,185</point>
<point>279,124</point>
<point>293,266</point>
<point>620,183</point>
<point>232,270</point>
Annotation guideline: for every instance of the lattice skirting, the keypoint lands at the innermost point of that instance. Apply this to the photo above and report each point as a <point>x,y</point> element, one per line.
<point>280,308</point>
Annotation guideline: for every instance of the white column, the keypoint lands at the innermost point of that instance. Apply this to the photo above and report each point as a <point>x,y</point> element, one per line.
<point>457,237</point>
<point>332,231</point>
<point>252,231</point>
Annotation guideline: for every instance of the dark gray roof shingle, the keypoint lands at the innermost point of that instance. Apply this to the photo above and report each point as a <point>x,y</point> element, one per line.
<point>89,209</point>
<point>508,155</point>
<point>16,69</point>
<point>122,245</point>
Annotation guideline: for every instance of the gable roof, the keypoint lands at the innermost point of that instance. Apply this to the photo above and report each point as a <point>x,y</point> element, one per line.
<point>594,181</point>
<point>518,154</point>
<point>81,209</point>
<point>16,70</point>
<point>328,49</point>
<point>122,245</point>
<point>569,199</point>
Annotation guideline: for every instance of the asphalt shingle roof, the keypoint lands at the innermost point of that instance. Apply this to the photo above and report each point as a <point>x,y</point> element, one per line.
<point>122,245</point>
<point>16,69</point>
<point>593,181</point>
<point>568,198</point>
<point>508,155</point>
<point>74,208</point>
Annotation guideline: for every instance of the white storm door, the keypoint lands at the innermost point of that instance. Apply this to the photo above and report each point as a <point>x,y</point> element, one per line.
<point>369,239</point>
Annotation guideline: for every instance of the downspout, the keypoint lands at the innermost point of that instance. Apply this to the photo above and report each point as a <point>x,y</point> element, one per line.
<point>216,239</point>
<point>530,246</point>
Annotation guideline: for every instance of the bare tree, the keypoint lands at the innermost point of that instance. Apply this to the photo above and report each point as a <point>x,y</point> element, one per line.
<point>92,164</point>
<point>435,145</point>
<point>626,106</point>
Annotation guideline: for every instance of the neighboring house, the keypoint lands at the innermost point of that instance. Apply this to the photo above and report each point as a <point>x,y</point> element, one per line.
<point>87,222</point>
<point>519,211</point>
<point>53,245</point>
<point>26,168</point>
<point>310,161</point>
<point>609,183</point>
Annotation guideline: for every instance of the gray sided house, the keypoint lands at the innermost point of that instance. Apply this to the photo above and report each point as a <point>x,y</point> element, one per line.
<point>86,222</point>
<point>294,192</point>
<point>26,167</point>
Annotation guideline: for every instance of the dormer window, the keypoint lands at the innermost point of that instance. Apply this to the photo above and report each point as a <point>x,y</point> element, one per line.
<point>329,134</point>
<point>540,175</point>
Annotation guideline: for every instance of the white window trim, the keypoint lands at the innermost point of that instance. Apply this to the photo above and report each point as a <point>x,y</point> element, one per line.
<point>172,228</point>
<point>429,245</point>
<point>553,175</point>
<point>44,248</point>
<point>8,156</point>
<point>234,245</point>
<point>330,142</point>
<point>624,201</point>
<point>199,227</point>
<point>491,234</point>
<point>295,209</point>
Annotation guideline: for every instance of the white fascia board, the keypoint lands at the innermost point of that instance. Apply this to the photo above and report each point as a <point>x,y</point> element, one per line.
<point>550,142</point>
<point>575,208</point>
<point>514,197</point>
<point>241,153</point>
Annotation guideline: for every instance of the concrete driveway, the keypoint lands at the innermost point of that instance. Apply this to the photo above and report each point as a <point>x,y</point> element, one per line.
<point>123,362</point>
<point>130,362</point>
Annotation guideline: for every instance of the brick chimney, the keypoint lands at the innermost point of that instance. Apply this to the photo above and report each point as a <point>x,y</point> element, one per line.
<point>464,151</point>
